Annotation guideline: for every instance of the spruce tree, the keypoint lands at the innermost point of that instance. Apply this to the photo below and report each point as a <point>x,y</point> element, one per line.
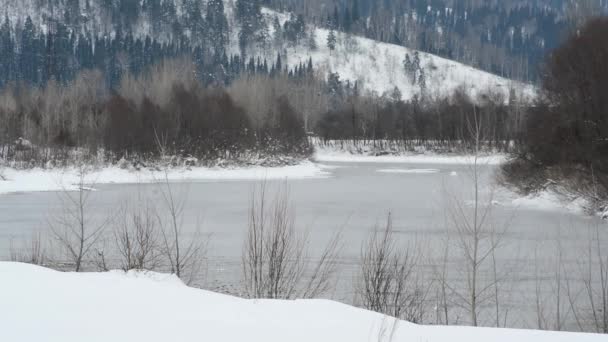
<point>27,58</point>
<point>7,52</point>
<point>331,40</point>
<point>217,25</point>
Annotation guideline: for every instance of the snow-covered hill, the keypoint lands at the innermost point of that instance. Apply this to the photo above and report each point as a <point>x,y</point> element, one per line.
<point>379,67</point>
<point>43,305</point>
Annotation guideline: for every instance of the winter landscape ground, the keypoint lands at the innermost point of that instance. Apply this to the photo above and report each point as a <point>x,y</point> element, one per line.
<point>147,306</point>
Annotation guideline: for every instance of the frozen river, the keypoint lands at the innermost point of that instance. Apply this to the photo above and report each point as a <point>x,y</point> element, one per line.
<point>354,197</point>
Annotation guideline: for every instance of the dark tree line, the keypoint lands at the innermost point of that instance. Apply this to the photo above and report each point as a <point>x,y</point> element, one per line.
<point>442,124</point>
<point>164,109</point>
<point>565,137</point>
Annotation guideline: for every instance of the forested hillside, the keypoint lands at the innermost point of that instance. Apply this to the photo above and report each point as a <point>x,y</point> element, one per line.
<point>509,38</point>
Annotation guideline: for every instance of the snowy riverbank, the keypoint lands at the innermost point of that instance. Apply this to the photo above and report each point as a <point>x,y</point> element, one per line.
<point>153,307</point>
<point>339,151</point>
<point>57,179</point>
<point>334,156</point>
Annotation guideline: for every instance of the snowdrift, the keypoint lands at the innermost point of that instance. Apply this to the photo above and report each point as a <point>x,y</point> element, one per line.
<point>43,305</point>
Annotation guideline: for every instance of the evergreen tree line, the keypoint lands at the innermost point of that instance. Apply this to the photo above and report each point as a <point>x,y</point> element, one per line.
<point>34,57</point>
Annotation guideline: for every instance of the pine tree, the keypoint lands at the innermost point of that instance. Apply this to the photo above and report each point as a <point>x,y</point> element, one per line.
<point>356,13</point>
<point>396,95</point>
<point>422,81</point>
<point>336,18</point>
<point>346,22</point>
<point>278,32</point>
<point>312,40</point>
<point>7,52</point>
<point>279,64</point>
<point>217,25</point>
<point>27,58</point>
<point>331,40</point>
<point>249,15</point>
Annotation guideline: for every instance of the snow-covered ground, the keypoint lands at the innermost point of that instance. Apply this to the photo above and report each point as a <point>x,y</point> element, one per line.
<point>347,157</point>
<point>43,305</point>
<point>346,152</point>
<point>68,179</point>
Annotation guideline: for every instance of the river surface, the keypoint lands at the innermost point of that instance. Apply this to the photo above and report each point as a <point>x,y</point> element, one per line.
<point>355,198</point>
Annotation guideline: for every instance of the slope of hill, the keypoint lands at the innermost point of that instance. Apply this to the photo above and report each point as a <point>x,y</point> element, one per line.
<point>379,67</point>
<point>152,307</point>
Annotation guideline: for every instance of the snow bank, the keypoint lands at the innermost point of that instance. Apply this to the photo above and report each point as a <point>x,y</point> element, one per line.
<point>348,157</point>
<point>59,179</point>
<point>44,305</point>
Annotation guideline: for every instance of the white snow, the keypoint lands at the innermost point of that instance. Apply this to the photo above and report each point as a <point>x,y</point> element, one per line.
<point>43,305</point>
<point>68,179</point>
<point>408,171</point>
<point>385,151</point>
<point>430,158</point>
<point>550,200</point>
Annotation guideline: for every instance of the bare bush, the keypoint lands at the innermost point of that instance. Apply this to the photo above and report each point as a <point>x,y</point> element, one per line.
<point>184,254</point>
<point>136,237</point>
<point>74,230</point>
<point>275,256</point>
<point>388,283</point>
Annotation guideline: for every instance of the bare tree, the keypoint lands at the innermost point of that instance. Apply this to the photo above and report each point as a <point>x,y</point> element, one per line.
<point>477,236</point>
<point>388,283</point>
<point>137,239</point>
<point>184,254</point>
<point>74,230</point>
<point>275,256</point>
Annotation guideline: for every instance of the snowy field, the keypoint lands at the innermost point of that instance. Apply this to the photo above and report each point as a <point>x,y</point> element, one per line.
<point>44,305</point>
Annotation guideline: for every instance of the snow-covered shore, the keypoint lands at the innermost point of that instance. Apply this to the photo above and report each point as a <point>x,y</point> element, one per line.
<point>45,305</point>
<point>429,158</point>
<point>68,179</point>
<point>382,151</point>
